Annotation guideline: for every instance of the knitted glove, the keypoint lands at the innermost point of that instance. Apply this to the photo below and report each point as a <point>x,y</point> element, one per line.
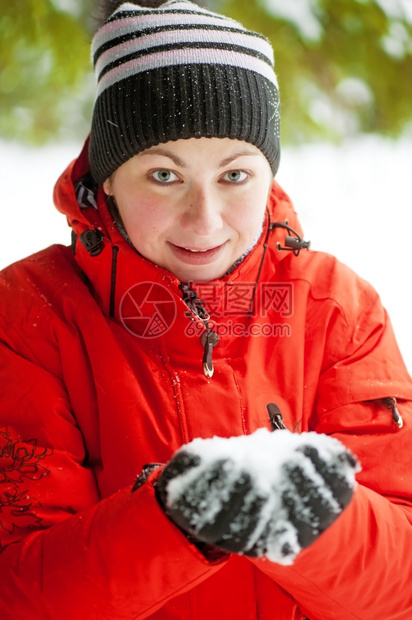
<point>265,494</point>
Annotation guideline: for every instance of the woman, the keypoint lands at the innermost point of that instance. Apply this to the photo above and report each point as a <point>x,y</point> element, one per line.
<point>188,312</point>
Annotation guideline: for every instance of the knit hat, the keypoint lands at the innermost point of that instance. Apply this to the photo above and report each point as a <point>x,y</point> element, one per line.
<point>179,71</point>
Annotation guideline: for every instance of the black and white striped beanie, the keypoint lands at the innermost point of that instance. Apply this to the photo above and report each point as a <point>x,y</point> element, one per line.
<point>179,71</point>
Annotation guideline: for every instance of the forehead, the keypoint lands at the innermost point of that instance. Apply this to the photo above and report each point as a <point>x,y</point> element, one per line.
<point>218,151</point>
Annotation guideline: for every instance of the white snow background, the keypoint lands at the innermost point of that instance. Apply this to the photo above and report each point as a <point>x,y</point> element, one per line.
<point>353,200</point>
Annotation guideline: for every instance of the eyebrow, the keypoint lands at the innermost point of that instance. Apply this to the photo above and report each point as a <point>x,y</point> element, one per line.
<point>176,160</point>
<point>228,160</point>
<point>160,151</point>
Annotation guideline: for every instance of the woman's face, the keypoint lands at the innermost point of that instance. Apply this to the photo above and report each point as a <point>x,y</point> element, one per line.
<point>193,206</point>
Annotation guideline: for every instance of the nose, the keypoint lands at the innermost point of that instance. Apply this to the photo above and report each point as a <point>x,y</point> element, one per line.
<point>202,212</point>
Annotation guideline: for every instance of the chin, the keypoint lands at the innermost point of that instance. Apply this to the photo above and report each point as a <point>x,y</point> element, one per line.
<point>199,276</point>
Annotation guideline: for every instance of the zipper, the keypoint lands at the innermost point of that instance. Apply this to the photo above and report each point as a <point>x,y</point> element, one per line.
<point>275,417</point>
<point>390,404</point>
<point>209,339</point>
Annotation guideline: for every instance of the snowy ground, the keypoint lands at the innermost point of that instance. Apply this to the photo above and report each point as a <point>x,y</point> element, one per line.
<point>354,201</point>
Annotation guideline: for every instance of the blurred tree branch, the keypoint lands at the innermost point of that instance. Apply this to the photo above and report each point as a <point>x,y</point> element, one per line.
<point>44,66</point>
<point>344,66</point>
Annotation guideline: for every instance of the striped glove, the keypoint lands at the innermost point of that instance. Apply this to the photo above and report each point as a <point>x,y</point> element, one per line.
<point>265,494</point>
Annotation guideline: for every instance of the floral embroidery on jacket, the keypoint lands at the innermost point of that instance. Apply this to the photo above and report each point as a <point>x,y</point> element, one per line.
<point>19,461</point>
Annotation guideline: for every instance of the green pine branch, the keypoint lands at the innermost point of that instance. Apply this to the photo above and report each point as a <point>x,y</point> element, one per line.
<point>346,68</point>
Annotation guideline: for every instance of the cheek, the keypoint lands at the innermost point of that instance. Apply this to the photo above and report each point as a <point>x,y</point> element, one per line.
<point>145,220</point>
<point>248,215</point>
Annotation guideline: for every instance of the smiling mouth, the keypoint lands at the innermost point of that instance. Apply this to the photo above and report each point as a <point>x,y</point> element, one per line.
<point>196,251</point>
<point>196,256</point>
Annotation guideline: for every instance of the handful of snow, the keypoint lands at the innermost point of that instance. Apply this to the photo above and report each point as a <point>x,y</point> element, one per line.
<point>265,494</point>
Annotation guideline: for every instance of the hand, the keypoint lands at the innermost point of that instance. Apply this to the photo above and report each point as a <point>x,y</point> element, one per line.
<point>265,494</point>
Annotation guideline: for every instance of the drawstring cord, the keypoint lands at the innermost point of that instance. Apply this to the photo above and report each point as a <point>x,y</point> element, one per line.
<point>252,299</point>
<point>391,403</point>
<point>113,275</point>
<point>293,242</point>
<point>262,260</point>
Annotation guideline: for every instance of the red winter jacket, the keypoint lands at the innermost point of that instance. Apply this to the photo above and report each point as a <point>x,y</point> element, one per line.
<point>101,373</point>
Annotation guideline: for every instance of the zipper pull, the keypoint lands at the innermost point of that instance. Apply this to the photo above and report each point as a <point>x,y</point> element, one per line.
<point>396,416</point>
<point>209,340</point>
<point>275,417</point>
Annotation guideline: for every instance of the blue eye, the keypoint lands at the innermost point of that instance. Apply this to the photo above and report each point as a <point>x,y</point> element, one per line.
<point>235,176</point>
<point>164,176</point>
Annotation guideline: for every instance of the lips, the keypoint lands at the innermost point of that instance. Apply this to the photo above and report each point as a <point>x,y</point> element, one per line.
<point>196,256</point>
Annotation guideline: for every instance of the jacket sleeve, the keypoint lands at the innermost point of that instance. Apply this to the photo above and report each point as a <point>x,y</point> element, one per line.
<point>361,567</point>
<point>64,552</point>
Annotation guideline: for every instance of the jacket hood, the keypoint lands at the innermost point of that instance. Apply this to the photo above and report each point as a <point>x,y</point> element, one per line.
<point>99,247</point>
